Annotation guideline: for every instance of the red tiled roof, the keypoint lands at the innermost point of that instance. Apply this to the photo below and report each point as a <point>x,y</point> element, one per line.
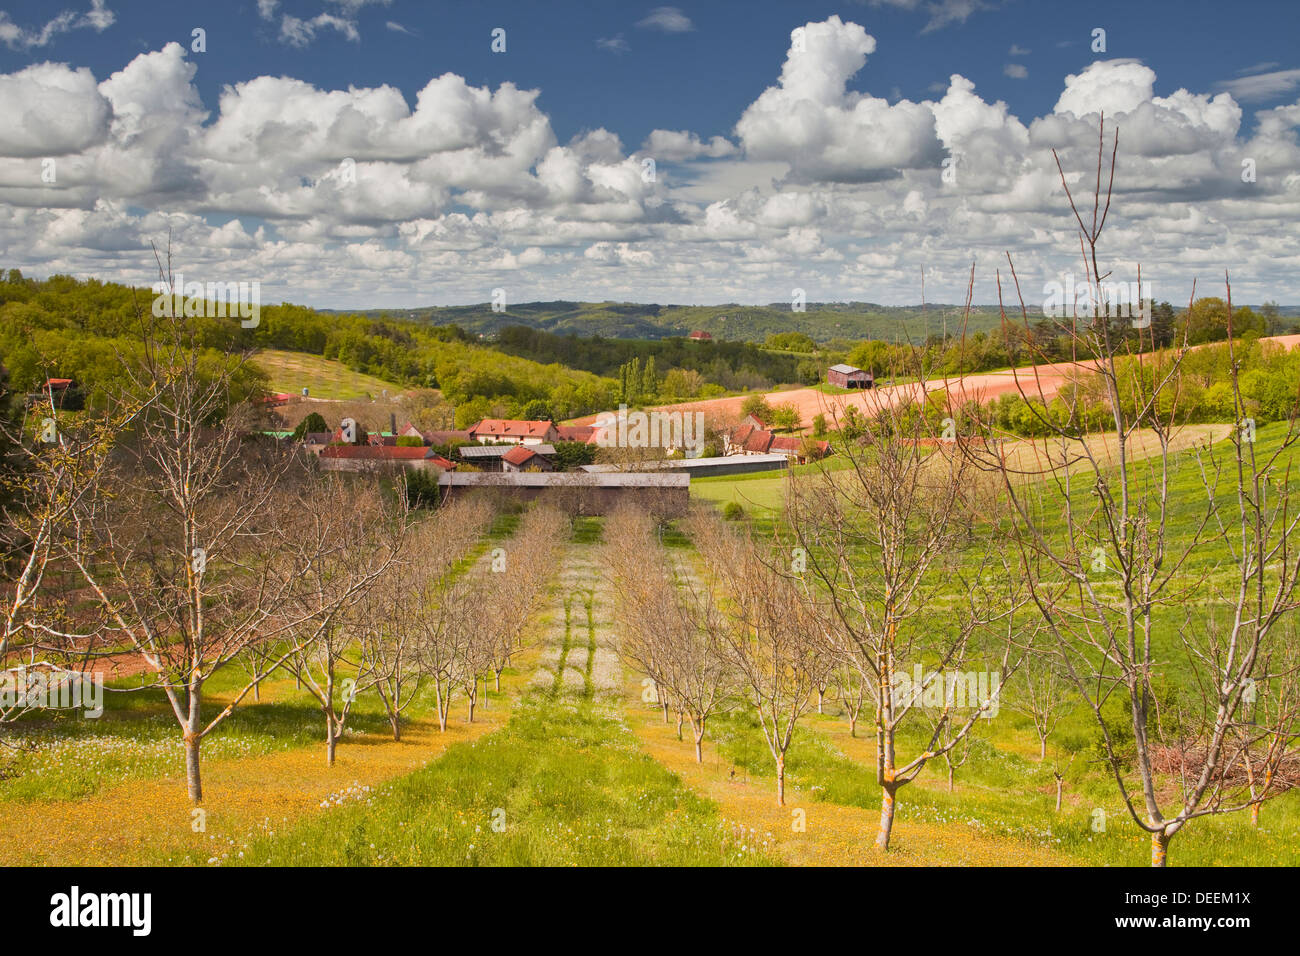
<point>377,452</point>
<point>58,382</point>
<point>796,444</point>
<point>575,432</point>
<point>519,455</point>
<point>759,441</point>
<point>434,437</point>
<point>741,434</point>
<point>511,428</point>
<point>442,437</point>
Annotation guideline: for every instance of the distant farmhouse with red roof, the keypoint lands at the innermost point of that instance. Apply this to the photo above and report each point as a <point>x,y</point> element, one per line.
<point>752,437</point>
<point>524,458</point>
<point>437,437</point>
<point>367,457</point>
<point>586,434</point>
<point>54,392</point>
<point>515,431</point>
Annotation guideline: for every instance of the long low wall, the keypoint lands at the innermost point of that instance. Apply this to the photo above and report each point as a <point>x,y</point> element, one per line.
<point>706,467</point>
<point>579,493</point>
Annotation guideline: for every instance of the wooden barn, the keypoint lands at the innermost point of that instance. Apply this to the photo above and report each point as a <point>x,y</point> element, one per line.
<point>847,376</point>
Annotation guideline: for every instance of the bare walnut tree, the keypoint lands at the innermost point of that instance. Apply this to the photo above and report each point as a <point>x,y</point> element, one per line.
<point>58,469</point>
<point>1130,571</point>
<point>178,548</point>
<point>340,538</point>
<point>908,577</point>
<point>670,618</point>
<point>766,638</point>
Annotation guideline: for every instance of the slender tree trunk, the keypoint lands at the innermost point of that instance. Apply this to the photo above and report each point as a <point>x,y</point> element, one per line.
<point>193,784</point>
<point>680,717</point>
<point>331,738</point>
<point>1254,795</point>
<point>821,699</point>
<point>853,725</point>
<point>1159,849</point>
<point>395,721</point>
<point>697,728</point>
<point>193,781</point>
<point>887,802</point>
<point>442,710</point>
<point>499,680</point>
<point>1042,749</point>
<point>257,691</point>
<point>1058,793</point>
<point>780,780</point>
<point>950,776</point>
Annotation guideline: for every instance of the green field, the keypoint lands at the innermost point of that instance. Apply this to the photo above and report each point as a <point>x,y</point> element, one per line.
<point>291,372</point>
<point>560,769</point>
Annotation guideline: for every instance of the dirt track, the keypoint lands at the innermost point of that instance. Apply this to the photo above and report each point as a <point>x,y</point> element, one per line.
<point>1037,381</point>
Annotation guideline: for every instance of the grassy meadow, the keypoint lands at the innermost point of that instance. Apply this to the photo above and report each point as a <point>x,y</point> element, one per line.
<point>568,765</point>
<point>291,372</point>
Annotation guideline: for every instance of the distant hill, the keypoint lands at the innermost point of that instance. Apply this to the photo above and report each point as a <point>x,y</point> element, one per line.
<point>822,321</point>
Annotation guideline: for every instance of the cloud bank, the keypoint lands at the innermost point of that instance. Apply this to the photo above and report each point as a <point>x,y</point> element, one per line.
<point>361,198</point>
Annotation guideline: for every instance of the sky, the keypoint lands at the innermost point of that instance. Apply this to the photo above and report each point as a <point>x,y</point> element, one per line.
<point>398,153</point>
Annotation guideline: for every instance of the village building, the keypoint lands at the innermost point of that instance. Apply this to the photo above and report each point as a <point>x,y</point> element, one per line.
<point>315,441</point>
<point>752,437</point>
<point>514,432</point>
<point>375,457</point>
<point>525,458</point>
<point>435,437</point>
<point>489,457</point>
<point>700,337</point>
<point>849,376</point>
<point>586,434</point>
<point>53,392</point>
<point>736,439</point>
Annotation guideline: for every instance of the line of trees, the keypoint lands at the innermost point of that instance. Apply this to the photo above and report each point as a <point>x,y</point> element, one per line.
<point>1155,590</point>
<point>161,528</point>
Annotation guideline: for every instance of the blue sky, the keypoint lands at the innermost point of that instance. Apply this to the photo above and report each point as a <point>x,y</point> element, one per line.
<point>781,203</point>
<point>699,79</point>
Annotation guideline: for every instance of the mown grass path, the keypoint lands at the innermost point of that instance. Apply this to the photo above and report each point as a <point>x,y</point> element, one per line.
<point>564,783</point>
